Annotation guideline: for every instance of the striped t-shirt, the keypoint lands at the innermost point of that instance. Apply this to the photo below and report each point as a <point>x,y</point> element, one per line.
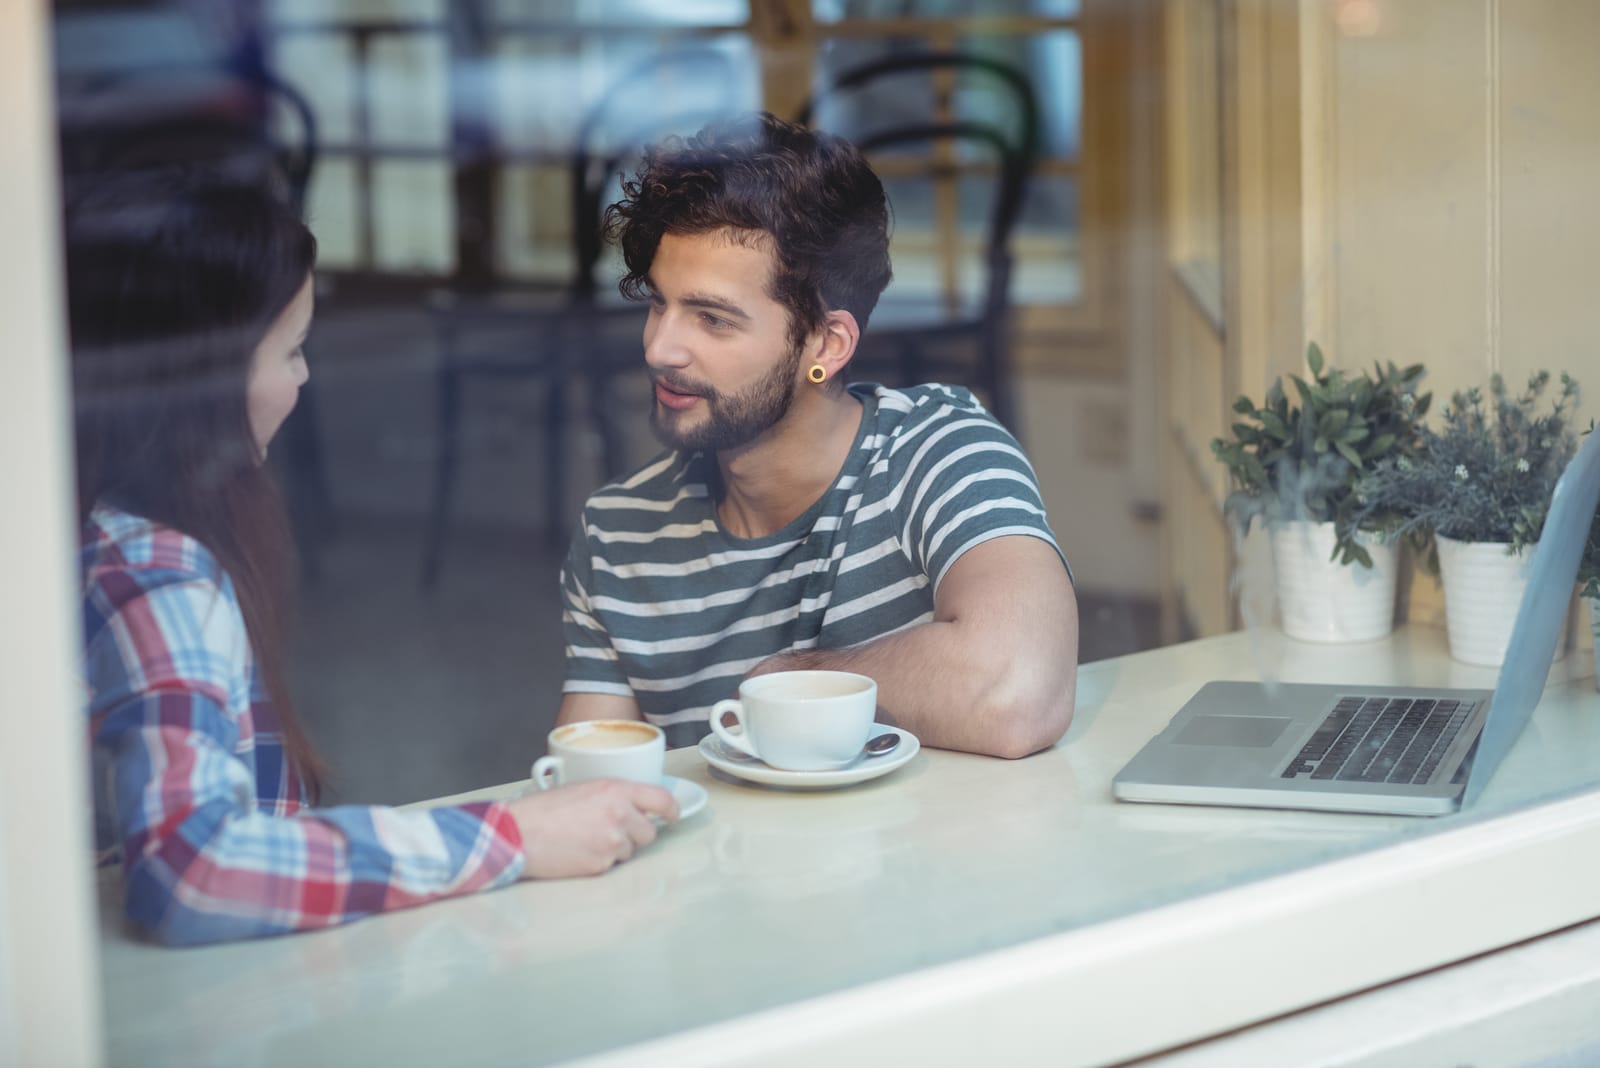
<point>666,606</point>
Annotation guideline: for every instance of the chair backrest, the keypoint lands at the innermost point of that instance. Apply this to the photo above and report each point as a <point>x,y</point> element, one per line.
<point>207,116</point>
<point>1013,150</point>
<point>645,103</point>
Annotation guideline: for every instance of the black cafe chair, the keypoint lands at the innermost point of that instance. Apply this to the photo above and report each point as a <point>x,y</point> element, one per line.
<point>951,336</point>
<point>580,331</point>
<point>248,126</point>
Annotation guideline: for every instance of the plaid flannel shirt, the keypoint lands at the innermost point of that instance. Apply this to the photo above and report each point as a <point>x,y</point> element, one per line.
<point>192,783</point>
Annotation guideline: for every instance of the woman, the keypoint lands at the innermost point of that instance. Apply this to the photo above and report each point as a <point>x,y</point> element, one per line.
<point>190,301</point>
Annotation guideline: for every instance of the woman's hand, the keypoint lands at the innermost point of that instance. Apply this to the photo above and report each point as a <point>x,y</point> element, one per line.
<point>588,827</point>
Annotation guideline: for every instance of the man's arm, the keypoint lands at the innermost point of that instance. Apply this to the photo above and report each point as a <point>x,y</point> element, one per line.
<point>995,670</point>
<point>579,706</point>
<point>590,655</point>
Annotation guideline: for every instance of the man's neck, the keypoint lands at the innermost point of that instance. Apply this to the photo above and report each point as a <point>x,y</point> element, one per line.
<point>771,482</point>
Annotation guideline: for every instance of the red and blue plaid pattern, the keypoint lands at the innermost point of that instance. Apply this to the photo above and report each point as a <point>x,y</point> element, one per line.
<point>191,779</point>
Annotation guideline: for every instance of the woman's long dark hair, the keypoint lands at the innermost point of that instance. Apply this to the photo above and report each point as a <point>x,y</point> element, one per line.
<point>172,281</point>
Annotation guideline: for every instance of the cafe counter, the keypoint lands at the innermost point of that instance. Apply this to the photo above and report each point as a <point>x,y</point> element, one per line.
<point>960,909</point>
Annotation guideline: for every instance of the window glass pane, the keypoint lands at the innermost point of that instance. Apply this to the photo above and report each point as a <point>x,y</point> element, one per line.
<point>320,67</point>
<point>1053,63</point>
<point>345,10</point>
<point>544,89</point>
<point>335,205</point>
<point>404,74</point>
<point>840,10</point>
<point>462,403</point>
<point>1045,245</point>
<point>95,42</point>
<point>535,227</point>
<point>646,12</point>
<point>411,216</point>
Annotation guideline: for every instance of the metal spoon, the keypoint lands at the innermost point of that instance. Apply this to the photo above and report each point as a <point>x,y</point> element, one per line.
<point>883,743</point>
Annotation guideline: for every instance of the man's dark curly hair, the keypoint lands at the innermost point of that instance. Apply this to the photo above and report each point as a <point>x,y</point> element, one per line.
<point>813,195</point>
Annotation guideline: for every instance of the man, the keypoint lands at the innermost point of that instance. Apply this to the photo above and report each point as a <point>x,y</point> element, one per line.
<point>795,522</point>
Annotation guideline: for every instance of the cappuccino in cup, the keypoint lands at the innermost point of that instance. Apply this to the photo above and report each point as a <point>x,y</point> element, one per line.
<point>602,749</point>
<point>609,734</point>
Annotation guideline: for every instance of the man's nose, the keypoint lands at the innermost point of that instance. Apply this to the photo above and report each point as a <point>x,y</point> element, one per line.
<point>663,341</point>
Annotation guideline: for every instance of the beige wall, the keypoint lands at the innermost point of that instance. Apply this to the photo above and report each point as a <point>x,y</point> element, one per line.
<point>1448,162</point>
<point>1462,166</point>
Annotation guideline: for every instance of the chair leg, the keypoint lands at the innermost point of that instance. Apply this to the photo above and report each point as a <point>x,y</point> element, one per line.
<point>910,363</point>
<point>996,379</point>
<point>555,461</point>
<point>446,448</point>
<point>613,451</point>
<point>309,500</point>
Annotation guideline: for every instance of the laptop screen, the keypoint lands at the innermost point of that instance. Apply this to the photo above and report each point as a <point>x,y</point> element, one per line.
<point>1541,616</point>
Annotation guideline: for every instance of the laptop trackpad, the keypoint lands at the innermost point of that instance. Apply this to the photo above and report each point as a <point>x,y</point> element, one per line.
<point>1253,731</point>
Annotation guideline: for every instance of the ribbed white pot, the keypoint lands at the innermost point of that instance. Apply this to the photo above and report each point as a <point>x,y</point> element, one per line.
<point>1594,632</point>
<point>1322,600</point>
<point>1483,588</point>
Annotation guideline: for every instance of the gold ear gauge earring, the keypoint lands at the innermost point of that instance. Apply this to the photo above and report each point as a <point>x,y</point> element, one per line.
<point>818,373</point>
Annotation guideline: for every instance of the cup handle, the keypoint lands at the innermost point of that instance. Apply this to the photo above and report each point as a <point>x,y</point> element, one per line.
<point>548,773</point>
<point>738,741</point>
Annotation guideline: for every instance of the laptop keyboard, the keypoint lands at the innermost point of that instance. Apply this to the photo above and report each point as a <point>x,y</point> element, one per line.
<point>1381,739</point>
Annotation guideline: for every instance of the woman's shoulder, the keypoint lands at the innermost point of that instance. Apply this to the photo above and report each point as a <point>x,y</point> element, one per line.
<point>120,541</point>
<point>157,597</point>
<point>127,558</point>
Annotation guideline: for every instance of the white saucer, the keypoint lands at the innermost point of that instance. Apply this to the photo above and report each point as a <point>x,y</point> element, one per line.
<point>863,768</point>
<point>690,795</point>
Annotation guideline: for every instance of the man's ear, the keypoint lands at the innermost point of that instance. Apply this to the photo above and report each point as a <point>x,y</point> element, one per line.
<point>834,343</point>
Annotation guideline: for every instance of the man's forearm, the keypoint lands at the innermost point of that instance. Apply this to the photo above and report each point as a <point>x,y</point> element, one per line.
<point>995,669</point>
<point>953,693</point>
<point>583,706</point>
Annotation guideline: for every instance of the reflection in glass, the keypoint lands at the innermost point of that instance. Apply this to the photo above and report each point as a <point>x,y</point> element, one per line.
<point>915,94</point>
<point>635,12</point>
<point>842,10</point>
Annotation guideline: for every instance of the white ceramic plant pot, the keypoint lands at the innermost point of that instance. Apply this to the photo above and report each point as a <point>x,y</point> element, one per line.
<point>1322,600</point>
<point>1483,588</point>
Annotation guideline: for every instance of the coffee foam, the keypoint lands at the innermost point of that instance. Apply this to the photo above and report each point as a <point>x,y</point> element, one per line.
<point>607,735</point>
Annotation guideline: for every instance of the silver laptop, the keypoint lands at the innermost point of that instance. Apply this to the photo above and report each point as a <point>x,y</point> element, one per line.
<point>1395,750</point>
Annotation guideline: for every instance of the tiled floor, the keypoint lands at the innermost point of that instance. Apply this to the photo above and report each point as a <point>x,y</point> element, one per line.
<point>413,693</point>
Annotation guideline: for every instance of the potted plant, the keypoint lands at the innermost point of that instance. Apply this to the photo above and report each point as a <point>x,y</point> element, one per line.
<point>1480,485</point>
<point>1295,463</point>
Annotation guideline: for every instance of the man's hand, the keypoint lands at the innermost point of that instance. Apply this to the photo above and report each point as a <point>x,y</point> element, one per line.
<point>589,827</point>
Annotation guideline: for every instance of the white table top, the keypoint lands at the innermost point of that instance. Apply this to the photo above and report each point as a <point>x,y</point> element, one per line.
<point>770,897</point>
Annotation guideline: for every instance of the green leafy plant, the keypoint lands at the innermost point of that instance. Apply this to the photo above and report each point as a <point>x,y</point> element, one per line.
<point>1302,458</point>
<point>1487,473</point>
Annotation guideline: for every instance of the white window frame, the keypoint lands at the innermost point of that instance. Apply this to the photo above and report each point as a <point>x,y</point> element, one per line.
<point>49,974</point>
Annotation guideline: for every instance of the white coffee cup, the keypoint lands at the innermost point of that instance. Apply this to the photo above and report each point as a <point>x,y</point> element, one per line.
<point>800,720</point>
<point>602,749</point>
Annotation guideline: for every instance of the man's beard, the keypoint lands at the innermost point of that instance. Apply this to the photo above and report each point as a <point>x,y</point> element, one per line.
<point>730,421</point>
